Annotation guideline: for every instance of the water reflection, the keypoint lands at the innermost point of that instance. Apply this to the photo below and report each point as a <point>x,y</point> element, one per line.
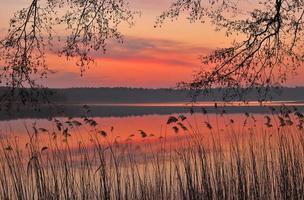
<point>144,122</point>
<point>129,129</point>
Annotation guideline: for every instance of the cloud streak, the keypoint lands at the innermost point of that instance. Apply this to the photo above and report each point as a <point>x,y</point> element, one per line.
<point>168,52</point>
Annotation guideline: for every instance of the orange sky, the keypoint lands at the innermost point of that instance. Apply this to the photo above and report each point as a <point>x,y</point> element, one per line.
<point>149,57</point>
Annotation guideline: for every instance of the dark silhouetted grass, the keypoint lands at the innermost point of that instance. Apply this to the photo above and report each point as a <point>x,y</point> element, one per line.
<point>266,163</point>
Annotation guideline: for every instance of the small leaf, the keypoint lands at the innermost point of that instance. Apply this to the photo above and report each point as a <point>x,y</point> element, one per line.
<point>43,130</point>
<point>76,123</point>
<point>175,129</point>
<point>208,125</point>
<point>103,133</point>
<point>142,133</point>
<point>182,117</point>
<point>172,119</point>
<point>8,148</point>
<point>183,126</point>
<point>44,149</point>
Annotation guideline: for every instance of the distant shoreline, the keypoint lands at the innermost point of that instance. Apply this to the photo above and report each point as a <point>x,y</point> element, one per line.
<point>122,102</point>
<point>116,110</point>
<point>142,95</point>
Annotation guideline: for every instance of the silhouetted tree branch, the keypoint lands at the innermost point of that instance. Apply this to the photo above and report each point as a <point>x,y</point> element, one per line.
<point>88,25</point>
<point>271,51</point>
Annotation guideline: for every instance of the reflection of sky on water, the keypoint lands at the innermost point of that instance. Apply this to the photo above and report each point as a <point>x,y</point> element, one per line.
<point>124,129</point>
<point>124,124</point>
<point>124,133</point>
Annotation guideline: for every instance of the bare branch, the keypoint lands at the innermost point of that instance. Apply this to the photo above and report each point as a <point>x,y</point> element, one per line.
<point>89,24</point>
<point>270,53</point>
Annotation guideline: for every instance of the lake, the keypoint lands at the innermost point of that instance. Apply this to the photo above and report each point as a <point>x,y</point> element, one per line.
<point>138,122</point>
<point>159,149</point>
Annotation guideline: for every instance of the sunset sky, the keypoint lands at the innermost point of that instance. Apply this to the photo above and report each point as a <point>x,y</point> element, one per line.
<point>150,57</point>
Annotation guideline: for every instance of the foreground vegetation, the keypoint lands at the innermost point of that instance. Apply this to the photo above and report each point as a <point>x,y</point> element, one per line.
<point>251,163</point>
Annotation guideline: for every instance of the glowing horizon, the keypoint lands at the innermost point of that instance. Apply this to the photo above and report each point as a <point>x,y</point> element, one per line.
<point>149,57</point>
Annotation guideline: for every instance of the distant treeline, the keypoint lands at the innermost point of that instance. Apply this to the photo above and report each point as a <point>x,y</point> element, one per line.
<point>143,95</point>
<point>69,102</point>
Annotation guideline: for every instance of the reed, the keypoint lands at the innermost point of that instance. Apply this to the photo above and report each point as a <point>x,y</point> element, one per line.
<point>267,164</point>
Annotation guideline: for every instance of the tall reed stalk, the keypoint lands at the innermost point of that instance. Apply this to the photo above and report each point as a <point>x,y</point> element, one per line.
<point>267,164</point>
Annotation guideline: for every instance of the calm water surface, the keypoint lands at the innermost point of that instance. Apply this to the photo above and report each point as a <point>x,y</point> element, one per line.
<point>151,119</point>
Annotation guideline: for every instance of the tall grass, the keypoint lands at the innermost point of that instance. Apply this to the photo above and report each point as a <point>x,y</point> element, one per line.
<point>266,164</point>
